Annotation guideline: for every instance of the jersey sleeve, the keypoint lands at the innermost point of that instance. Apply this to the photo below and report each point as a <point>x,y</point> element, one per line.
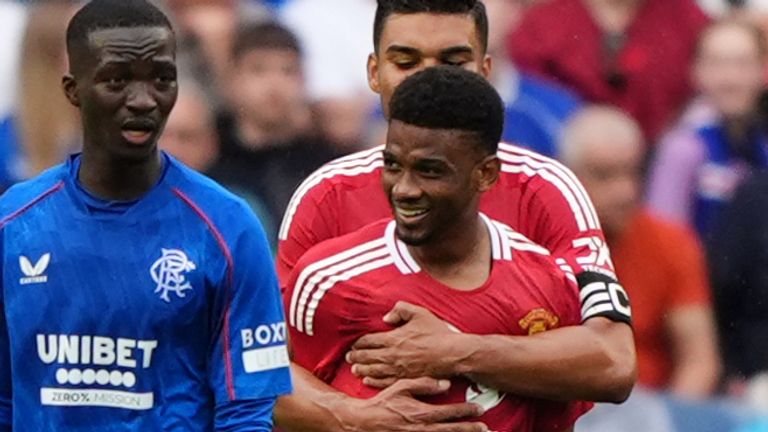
<point>558,416</point>
<point>560,216</point>
<point>561,295</point>
<point>249,357</point>
<point>309,219</point>
<point>245,416</point>
<point>318,330</point>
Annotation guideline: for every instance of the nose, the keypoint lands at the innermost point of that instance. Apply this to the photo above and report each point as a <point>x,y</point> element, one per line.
<point>141,98</point>
<point>406,188</point>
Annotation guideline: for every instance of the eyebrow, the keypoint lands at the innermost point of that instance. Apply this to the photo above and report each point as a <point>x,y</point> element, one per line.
<point>459,49</point>
<point>402,49</point>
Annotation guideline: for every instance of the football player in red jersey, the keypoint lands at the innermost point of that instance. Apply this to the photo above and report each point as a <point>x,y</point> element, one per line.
<point>535,195</point>
<point>439,253</point>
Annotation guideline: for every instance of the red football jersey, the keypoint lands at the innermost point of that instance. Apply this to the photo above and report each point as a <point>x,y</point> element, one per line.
<point>535,195</point>
<point>340,290</point>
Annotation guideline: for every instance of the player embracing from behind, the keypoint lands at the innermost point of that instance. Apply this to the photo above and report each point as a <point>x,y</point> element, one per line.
<point>137,295</point>
<point>536,196</point>
<point>482,280</point>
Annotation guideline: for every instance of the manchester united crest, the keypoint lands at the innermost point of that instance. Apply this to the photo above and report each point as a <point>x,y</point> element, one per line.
<point>539,320</point>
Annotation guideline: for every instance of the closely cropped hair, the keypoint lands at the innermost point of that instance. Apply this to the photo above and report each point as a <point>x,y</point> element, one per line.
<point>268,35</point>
<point>473,7</point>
<point>448,97</point>
<point>107,14</point>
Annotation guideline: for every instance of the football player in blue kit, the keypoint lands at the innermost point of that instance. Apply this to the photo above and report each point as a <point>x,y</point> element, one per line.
<point>137,295</point>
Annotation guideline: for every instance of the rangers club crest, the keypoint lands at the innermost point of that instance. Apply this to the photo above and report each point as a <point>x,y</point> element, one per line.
<point>168,273</point>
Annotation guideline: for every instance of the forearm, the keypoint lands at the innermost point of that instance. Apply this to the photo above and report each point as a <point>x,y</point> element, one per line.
<point>313,407</point>
<point>595,362</point>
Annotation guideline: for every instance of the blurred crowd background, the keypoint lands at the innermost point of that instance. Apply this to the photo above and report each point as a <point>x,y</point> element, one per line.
<point>659,107</point>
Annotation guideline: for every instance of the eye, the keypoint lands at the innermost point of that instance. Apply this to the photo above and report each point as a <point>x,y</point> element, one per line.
<point>116,82</point>
<point>431,172</point>
<point>165,81</point>
<point>391,165</point>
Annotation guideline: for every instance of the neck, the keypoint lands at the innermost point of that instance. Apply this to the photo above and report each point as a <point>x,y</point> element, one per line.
<point>450,261</point>
<point>116,179</point>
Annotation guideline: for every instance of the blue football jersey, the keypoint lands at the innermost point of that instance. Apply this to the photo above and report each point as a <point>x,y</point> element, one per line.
<point>141,316</point>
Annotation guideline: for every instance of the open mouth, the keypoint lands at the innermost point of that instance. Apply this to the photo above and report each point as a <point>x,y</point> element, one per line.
<point>410,216</point>
<point>138,132</point>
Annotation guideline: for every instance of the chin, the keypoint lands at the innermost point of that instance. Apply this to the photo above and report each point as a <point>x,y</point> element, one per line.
<point>413,238</point>
<point>137,154</point>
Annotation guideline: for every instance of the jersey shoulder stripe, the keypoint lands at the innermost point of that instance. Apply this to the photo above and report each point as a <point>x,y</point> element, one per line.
<point>516,160</point>
<point>31,203</point>
<point>363,162</point>
<point>317,279</point>
<point>228,370</point>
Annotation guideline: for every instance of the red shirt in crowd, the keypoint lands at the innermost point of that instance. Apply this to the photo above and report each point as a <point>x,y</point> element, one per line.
<point>537,196</point>
<point>649,74</point>
<point>340,290</point>
<point>662,268</point>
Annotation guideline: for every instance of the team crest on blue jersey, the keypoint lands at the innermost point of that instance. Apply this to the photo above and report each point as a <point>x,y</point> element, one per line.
<point>168,272</point>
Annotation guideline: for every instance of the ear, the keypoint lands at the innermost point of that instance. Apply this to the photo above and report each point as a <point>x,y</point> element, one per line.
<point>487,67</point>
<point>69,84</point>
<point>487,172</point>
<point>373,73</point>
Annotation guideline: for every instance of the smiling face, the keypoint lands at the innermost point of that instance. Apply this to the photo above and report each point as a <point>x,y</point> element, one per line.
<point>433,179</point>
<point>124,84</point>
<point>410,43</point>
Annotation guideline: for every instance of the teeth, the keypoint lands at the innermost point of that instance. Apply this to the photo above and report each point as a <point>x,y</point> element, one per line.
<point>136,133</point>
<point>411,213</point>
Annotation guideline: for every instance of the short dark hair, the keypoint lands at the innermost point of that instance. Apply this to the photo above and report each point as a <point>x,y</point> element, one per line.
<point>263,35</point>
<point>107,14</point>
<point>449,97</point>
<point>475,8</point>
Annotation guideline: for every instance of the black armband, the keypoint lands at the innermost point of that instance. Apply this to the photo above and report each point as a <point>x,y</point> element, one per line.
<point>603,296</point>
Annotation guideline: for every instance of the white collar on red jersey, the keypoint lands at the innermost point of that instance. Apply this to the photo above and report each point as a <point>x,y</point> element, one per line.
<point>502,241</point>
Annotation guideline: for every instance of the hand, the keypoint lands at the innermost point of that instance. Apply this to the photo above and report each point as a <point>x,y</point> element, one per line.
<point>422,346</point>
<point>396,409</point>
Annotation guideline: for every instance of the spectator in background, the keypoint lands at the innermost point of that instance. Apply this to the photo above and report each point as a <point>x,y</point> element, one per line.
<point>211,24</point>
<point>634,54</point>
<point>698,166</point>
<point>267,142</point>
<point>14,17</point>
<point>190,136</point>
<point>45,124</point>
<point>535,108</point>
<point>336,37</point>
<point>190,133</point>
<point>672,317</point>
<point>739,262</point>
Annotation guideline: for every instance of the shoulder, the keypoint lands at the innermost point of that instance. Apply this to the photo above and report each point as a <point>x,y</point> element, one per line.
<point>26,194</point>
<point>668,235</point>
<point>542,272</point>
<point>357,247</point>
<point>549,183</point>
<point>348,173</point>
<point>214,205</point>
